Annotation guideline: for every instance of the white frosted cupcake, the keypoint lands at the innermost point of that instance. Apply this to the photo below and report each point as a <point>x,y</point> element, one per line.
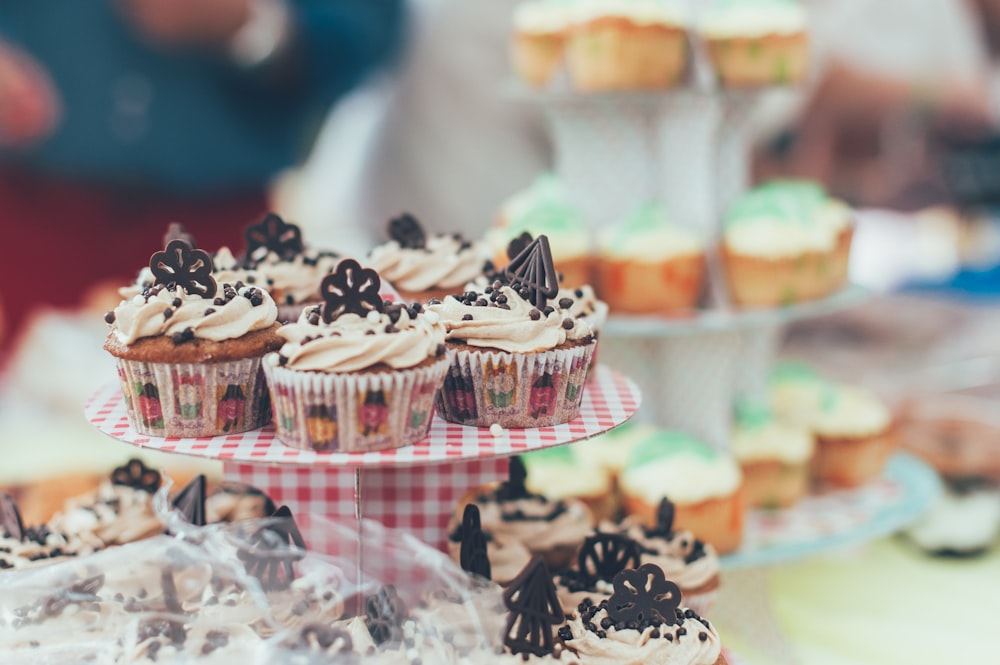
<point>757,42</point>
<point>627,45</point>
<point>558,474</point>
<point>357,373</point>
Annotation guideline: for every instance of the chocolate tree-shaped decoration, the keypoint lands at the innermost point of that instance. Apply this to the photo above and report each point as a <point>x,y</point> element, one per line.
<point>190,502</point>
<point>275,235</point>
<point>176,231</point>
<point>533,609</point>
<point>473,555</point>
<point>406,231</point>
<point>514,488</point>
<point>10,518</point>
<point>271,552</point>
<point>351,289</point>
<point>532,273</point>
<point>137,475</point>
<point>182,266</point>
<point>604,555</point>
<point>384,615</point>
<point>645,597</point>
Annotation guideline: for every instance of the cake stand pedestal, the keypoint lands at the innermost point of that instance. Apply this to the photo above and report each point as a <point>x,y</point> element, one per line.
<point>415,488</point>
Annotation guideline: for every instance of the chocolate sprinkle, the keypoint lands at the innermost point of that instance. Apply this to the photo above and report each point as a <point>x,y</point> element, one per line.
<point>407,231</point>
<point>109,317</point>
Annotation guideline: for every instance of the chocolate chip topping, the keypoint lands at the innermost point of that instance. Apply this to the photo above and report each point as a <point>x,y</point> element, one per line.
<point>109,317</point>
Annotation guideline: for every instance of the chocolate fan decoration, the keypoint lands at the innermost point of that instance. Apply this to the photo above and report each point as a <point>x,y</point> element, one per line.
<point>176,231</point>
<point>351,289</point>
<point>190,502</point>
<point>644,596</point>
<point>473,556</point>
<point>10,517</point>
<point>532,273</point>
<point>274,234</point>
<point>533,609</point>
<point>180,265</point>
<point>384,615</point>
<point>137,475</point>
<point>604,555</point>
<point>518,245</point>
<point>406,231</point>
<point>273,550</point>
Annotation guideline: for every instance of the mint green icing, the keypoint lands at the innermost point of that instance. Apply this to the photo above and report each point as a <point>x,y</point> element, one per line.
<point>752,413</point>
<point>665,444</point>
<point>647,218</point>
<point>791,371</point>
<point>546,217</point>
<point>791,201</point>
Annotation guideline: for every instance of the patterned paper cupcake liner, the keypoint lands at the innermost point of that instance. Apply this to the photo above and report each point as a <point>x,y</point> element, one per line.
<point>515,390</point>
<point>353,412</point>
<point>194,399</point>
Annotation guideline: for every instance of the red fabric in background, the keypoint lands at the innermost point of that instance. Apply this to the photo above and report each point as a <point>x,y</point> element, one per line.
<point>59,239</point>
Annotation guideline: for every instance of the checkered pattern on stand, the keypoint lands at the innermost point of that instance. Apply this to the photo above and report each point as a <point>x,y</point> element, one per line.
<point>414,488</point>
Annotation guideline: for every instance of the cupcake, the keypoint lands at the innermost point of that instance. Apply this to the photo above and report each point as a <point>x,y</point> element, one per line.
<point>558,474</point>
<point>648,265</point>
<point>855,430</point>
<point>357,373</point>
<point>773,455</point>
<point>545,208</point>
<point>642,622</point>
<point>539,34</point>
<point>510,513</point>
<point>761,42</point>
<point>690,563</point>
<point>785,242</point>
<point>189,349</point>
<point>292,271</point>
<point>422,267</point>
<point>611,451</point>
<point>23,547</point>
<point>705,486</point>
<point>635,45</point>
<point>516,361</point>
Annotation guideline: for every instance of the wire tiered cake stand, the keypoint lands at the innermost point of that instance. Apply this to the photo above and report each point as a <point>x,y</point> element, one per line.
<point>414,488</point>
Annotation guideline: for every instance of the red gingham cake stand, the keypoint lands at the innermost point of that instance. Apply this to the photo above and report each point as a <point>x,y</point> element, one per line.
<point>415,488</point>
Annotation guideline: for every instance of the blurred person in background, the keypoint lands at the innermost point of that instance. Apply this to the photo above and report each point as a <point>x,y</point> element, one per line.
<point>120,116</point>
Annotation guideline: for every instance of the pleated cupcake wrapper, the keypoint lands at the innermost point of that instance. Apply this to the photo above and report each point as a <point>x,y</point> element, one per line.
<point>194,399</point>
<point>515,390</point>
<point>353,412</point>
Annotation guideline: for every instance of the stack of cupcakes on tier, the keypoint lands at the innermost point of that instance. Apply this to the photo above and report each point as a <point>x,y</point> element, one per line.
<point>516,360</point>
<point>356,373</point>
<point>422,267</point>
<point>189,350</point>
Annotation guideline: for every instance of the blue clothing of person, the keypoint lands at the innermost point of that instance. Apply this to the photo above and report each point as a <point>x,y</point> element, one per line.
<point>182,120</point>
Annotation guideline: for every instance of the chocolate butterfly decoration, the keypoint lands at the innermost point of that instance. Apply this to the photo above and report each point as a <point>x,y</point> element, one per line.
<point>533,609</point>
<point>406,231</point>
<point>274,234</point>
<point>190,502</point>
<point>518,244</point>
<point>10,517</point>
<point>272,551</point>
<point>351,289</point>
<point>384,615</point>
<point>137,475</point>
<point>644,596</point>
<point>604,555</point>
<point>473,555</point>
<point>180,265</point>
<point>532,274</point>
<point>176,231</point>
